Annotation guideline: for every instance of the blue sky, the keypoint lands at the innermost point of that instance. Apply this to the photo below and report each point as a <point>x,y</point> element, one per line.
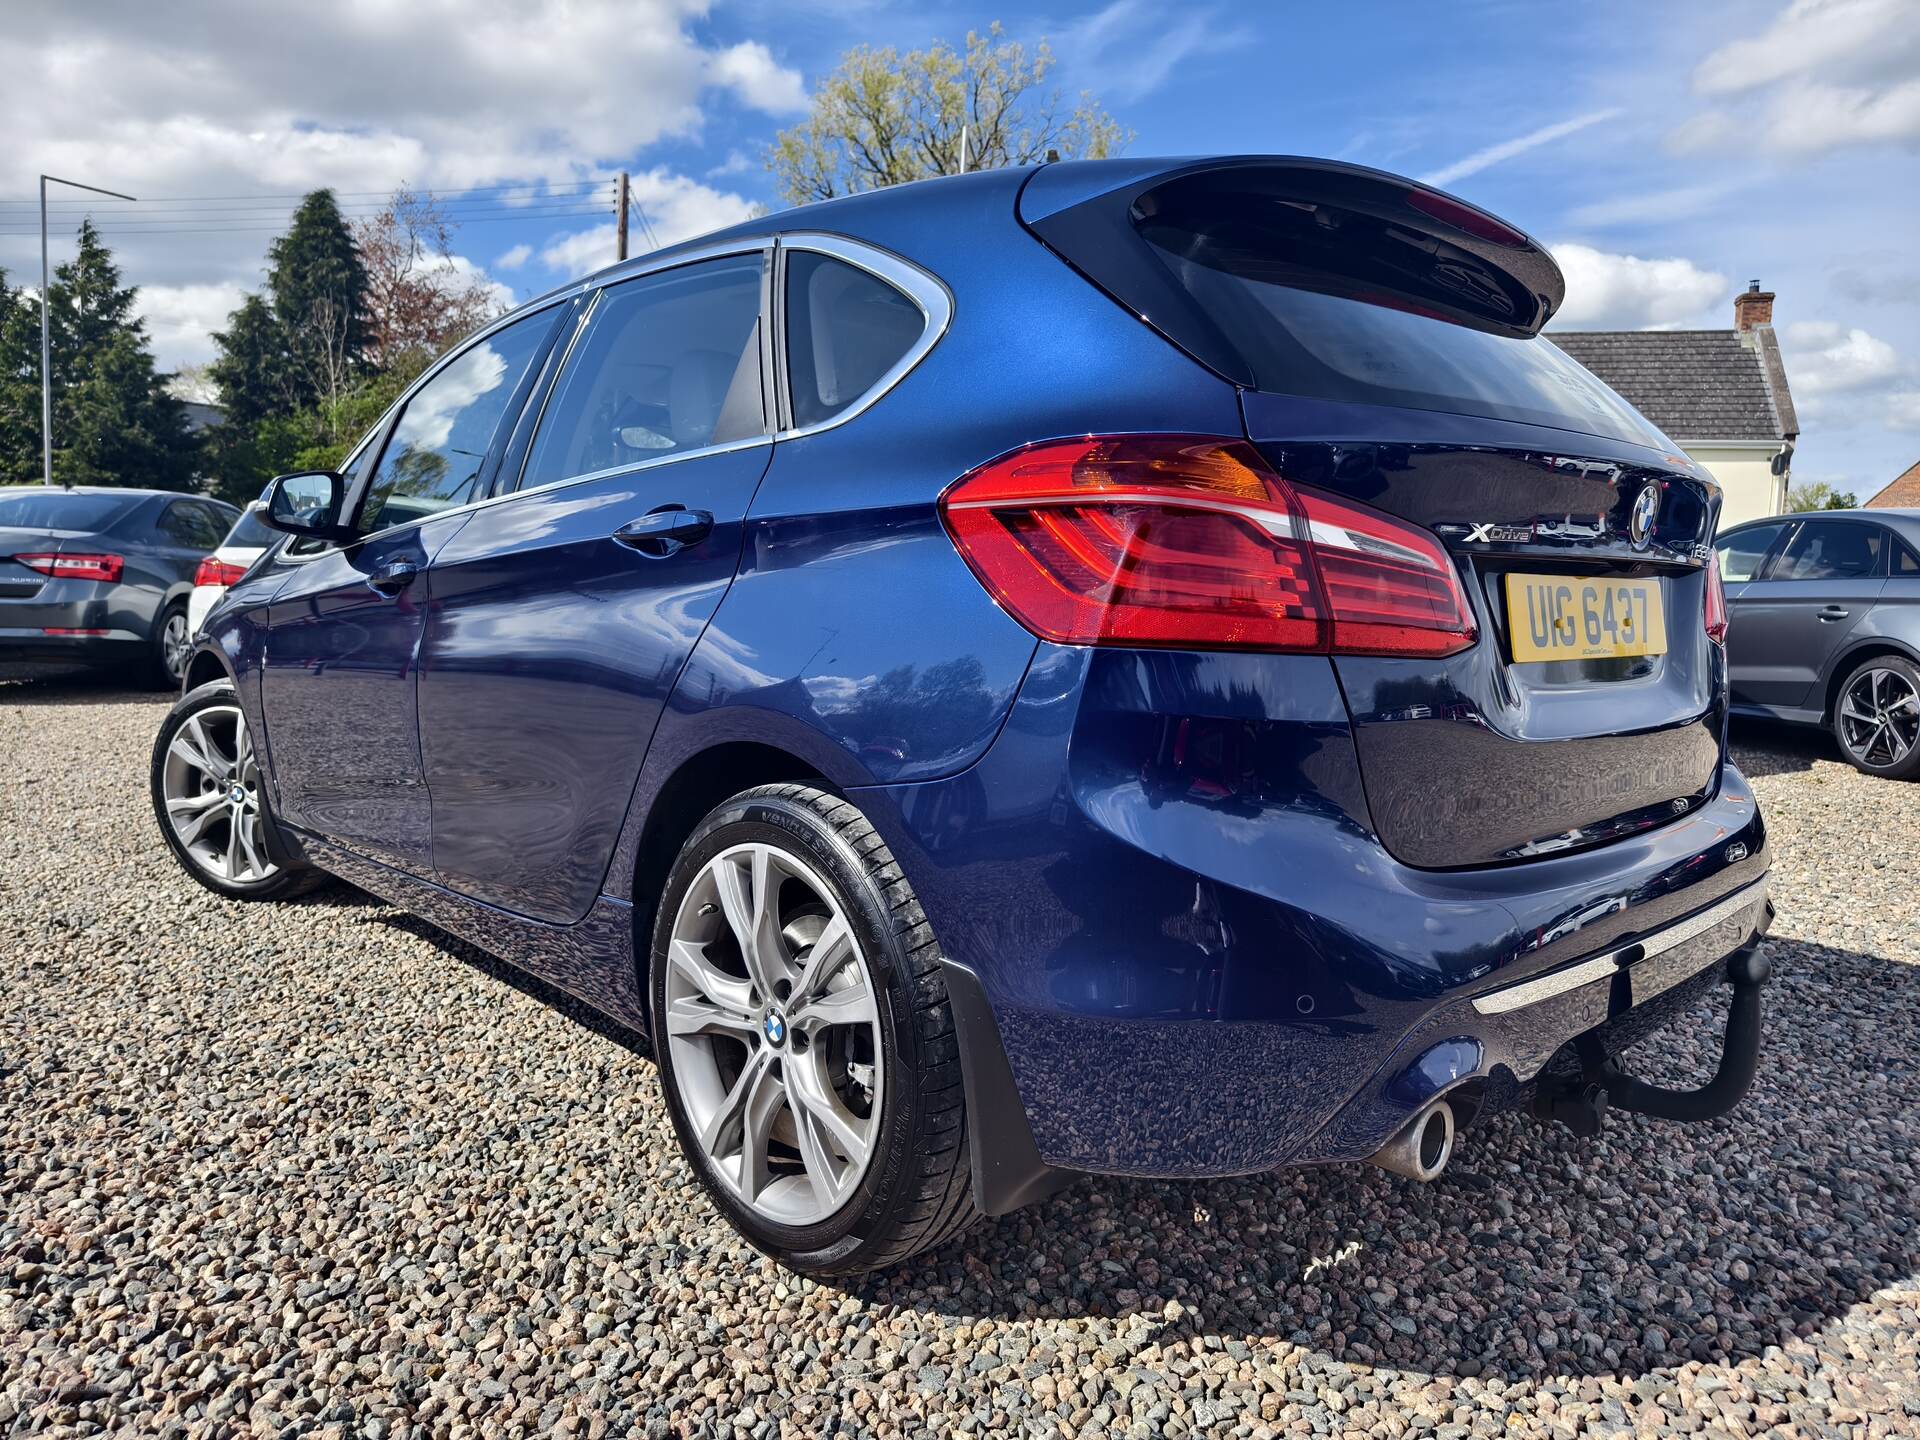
<point>1668,153</point>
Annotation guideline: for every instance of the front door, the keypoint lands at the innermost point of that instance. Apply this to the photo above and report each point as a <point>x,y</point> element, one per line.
<point>562,614</point>
<point>343,634</point>
<point>1785,626</point>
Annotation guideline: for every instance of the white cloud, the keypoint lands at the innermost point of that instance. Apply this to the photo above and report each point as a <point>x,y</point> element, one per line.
<point>1824,74</point>
<point>736,163</point>
<point>1903,410</point>
<point>181,320</point>
<point>1824,358</point>
<point>676,209</point>
<point>1606,291</point>
<point>514,258</point>
<point>1654,207</point>
<point>1519,145</point>
<point>751,72</point>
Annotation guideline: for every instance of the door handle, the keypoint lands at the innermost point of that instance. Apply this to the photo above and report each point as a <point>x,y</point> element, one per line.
<point>1834,612</point>
<point>393,577</point>
<point>665,531</point>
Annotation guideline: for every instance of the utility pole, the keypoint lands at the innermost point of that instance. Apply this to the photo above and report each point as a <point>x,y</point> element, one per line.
<point>620,221</point>
<point>46,333</point>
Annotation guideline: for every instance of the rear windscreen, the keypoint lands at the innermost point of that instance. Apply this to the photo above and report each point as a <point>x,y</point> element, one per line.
<point>248,534</point>
<point>47,509</point>
<point>1332,346</point>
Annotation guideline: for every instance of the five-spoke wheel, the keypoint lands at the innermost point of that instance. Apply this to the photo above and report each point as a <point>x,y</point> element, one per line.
<point>1877,718</point>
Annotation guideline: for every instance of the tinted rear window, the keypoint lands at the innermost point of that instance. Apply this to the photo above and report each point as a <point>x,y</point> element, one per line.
<point>1229,256</point>
<point>248,533</point>
<point>62,510</point>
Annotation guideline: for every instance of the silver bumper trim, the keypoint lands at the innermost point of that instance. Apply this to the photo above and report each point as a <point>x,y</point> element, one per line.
<point>1599,967</point>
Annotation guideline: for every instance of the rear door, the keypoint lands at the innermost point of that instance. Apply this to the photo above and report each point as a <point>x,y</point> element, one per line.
<point>1743,556</point>
<point>1794,617</point>
<point>337,679</point>
<point>562,613</point>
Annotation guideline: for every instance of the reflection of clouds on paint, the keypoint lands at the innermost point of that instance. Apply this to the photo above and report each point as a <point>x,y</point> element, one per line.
<point>429,421</point>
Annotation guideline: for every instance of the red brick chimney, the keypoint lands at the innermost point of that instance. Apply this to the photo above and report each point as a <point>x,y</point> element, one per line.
<point>1752,306</point>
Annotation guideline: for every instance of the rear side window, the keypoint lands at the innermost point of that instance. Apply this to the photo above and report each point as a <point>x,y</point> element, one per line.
<point>1833,550</point>
<point>248,534</point>
<point>1906,563</point>
<point>846,328</point>
<point>45,509</point>
<point>1742,555</point>
<point>191,525</point>
<point>434,459</point>
<point>669,362</point>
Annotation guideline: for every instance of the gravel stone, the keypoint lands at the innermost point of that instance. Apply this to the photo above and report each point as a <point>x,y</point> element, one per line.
<point>318,1169</point>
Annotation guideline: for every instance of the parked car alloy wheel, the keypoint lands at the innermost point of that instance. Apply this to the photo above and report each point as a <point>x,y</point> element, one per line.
<point>804,1036</point>
<point>1877,719</point>
<point>208,798</point>
<point>173,648</point>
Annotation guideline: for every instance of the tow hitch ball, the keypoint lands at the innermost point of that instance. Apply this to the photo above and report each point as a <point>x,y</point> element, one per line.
<point>1581,1104</point>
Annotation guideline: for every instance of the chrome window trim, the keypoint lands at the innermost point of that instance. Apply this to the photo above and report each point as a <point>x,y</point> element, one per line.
<point>1600,967</point>
<point>920,286</point>
<point>746,245</point>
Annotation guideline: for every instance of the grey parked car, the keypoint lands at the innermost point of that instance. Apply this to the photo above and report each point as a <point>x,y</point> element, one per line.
<point>1824,628</point>
<point>101,576</point>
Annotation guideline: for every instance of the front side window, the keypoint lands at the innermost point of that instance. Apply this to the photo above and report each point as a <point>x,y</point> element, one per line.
<point>1742,555</point>
<point>433,460</point>
<point>1833,550</point>
<point>846,329</point>
<point>669,362</point>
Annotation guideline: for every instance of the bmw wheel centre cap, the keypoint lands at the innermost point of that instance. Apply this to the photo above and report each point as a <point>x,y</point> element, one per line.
<point>774,1027</point>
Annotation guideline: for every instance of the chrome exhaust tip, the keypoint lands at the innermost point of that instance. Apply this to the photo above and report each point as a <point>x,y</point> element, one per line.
<point>1422,1147</point>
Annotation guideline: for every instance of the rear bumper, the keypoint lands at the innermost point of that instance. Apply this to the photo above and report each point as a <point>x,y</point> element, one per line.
<point>1203,971</point>
<point>34,646</point>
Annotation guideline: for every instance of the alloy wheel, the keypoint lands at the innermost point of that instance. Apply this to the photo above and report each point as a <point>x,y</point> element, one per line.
<point>176,645</point>
<point>773,1025</point>
<point>1880,718</point>
<point>210,784</point>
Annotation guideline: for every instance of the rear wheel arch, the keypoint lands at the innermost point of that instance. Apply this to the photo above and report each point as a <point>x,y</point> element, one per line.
<point>1849,661</point>
<point>205,667</point>
<point>700,782</point>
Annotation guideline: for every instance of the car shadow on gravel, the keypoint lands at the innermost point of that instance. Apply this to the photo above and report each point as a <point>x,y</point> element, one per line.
<point>38,686</point>
<point>1771,747</point>
<point>1536,1253</point>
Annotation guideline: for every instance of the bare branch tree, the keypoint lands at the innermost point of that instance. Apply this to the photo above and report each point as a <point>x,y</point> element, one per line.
<point>419,296</point>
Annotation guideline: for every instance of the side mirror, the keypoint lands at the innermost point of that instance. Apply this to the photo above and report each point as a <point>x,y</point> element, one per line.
<point>305,503</point>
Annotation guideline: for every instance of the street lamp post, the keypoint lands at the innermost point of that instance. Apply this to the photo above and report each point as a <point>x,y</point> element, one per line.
<point>46,333</point>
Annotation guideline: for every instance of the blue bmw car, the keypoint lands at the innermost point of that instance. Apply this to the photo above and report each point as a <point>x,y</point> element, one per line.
<point>1143,667</point>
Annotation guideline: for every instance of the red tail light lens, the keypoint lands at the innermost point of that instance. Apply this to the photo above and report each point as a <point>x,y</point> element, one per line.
<point>75,567</point>
<point>218,572</point>
<point>1716,603</point>
<point>1194,542</point>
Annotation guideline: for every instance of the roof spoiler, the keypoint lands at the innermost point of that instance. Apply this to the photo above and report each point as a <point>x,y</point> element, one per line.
<point>1314,224</point>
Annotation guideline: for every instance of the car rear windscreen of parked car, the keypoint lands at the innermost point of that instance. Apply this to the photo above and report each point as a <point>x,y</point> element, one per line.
<point>1310,298</point>
<point>62,510</point>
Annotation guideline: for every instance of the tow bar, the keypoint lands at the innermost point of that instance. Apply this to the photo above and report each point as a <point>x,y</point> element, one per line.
<point>1581,1105</point>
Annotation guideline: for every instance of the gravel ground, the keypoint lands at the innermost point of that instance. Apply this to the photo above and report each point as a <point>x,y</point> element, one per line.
<point>318,1168</point>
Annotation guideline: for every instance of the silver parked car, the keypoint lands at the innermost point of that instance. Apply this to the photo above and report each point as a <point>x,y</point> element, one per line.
<point>98,576</point>
<point>1824,628</point>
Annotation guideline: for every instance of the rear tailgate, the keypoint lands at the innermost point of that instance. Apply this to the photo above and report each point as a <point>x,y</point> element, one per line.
<point>1385,340</point>
<point>1497,754</point>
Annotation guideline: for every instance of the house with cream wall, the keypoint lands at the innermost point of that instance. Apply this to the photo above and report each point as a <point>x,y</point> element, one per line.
<point>1720,395</point>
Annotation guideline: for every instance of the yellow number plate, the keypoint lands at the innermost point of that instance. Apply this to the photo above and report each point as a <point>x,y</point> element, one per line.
<point>1561,617</point>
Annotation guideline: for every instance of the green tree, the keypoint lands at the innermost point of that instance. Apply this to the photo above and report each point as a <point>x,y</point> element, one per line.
<point>319,290</point>
<point>1819,495</point>
<point>250,369</point>
<point>883,118</point>
<point>113,421</point>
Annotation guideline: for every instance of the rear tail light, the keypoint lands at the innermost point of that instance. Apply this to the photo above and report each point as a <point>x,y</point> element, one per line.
<point>75,567</point>
<point>1193,542</point>
<point>218,572</point>
<point>1716,604</point>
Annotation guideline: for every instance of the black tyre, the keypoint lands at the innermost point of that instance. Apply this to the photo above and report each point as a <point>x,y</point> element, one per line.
<point>170,647</point>
<point>1876,718</point>
<point>211,804</point>
<point>805,1041</point>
